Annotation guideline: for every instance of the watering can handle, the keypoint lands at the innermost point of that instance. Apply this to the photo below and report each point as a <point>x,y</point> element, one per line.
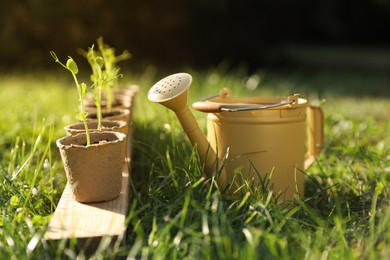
<point>211,107</point>
<point>315,134</point>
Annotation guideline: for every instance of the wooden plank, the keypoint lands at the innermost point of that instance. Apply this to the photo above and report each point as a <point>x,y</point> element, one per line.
<point>90,220</point>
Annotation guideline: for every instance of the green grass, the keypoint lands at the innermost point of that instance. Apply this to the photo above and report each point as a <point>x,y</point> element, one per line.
<point>174,212</point>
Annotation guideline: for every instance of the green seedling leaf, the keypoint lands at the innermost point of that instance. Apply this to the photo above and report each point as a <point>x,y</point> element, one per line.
<point>72,66</point>
<point>99,61</point>
<point>124,56</point>
<point>82,116</point>
<point>94,78</point>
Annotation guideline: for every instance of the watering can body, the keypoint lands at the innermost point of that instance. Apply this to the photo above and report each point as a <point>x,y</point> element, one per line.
<point>269,147</point>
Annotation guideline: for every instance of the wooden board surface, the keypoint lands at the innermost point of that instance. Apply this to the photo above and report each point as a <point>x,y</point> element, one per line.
<point>90,220</point>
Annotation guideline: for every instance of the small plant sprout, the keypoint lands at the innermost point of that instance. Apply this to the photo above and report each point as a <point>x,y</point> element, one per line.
<point>102,78</point>
<point>72,67</point>
<point>111,70</point>
<point>99,80</point>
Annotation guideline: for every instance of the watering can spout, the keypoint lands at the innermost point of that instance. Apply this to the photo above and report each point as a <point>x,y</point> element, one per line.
<point>172,92</point>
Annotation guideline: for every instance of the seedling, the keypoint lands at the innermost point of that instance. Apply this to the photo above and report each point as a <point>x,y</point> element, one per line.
<point>111,70</point>
<point>104,73</point>
<point>99,80</point>
<point>72,67</point>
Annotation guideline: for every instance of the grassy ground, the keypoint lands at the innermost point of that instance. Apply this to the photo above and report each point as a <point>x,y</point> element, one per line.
<point>174,213</point>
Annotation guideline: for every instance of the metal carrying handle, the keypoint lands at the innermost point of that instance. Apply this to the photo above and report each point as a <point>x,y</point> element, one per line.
<point>211,107</point>
<point>278,104</point>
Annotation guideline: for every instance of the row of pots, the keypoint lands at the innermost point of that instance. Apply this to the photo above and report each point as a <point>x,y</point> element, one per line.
<point>94,172</point>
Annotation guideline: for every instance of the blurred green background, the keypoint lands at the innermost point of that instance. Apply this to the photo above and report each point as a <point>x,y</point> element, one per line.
<point>200,33</point>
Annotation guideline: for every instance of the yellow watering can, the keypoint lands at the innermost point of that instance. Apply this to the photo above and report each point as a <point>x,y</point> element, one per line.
<point>248,138</point>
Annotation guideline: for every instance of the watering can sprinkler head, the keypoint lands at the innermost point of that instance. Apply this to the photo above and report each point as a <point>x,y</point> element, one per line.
<point>171,91</point>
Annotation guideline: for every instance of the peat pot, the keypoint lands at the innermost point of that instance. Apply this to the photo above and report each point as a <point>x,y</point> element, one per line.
<point>94,172</point>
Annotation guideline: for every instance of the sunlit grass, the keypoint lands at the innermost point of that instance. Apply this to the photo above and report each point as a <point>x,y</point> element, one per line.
<point>175,212</point>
